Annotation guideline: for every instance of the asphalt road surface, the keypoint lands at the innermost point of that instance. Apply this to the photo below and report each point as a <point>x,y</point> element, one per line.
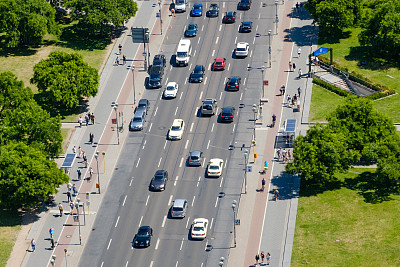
<point>129,203</point>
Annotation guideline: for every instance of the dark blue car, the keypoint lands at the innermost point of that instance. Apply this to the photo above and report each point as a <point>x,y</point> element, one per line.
<point>191,30</point>
<point>197,10</point>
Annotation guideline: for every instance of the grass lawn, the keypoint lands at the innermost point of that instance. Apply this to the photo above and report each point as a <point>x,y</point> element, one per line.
<point>10,225</point>
<point>348,53</point>
<point>323,102</point>
<point>341,227</point>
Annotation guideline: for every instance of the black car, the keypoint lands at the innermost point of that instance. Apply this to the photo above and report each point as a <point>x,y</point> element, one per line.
<point>246,26</point>
<point>156,77</point>
<point>191,30</point>
<point>233,83</point>
<point>197,74</point>
<point>159,181</point>
<point>143,237</point>
<point>230,17</point>
<point>213,11</point>
<point>227,114</point>
<point>159,61</point>
<point>244,4</point>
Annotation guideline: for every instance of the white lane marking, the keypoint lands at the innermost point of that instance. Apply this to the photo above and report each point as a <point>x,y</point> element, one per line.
<point>208,144</point>
<point>180,249</point>
<point>225,79</point>
<point>170,199</point>
<point>229,66</point>
<point>191,126</point>
<point>159,163</point>
<point>187,16</point>
<point>259,16</point>
<point>163,222</point>
<point>216,202</point>
<point>161,96</point>
<point>235,39</point>
<point>158,242</point>
<point>240,16</point>
<point>180,164</point>
<point>241,95</point>
<point>220,96</point>
<point>155,112</point>
<point>205,248</point>
<point>198,41</point>
<point>220,184</point>
<point>202,27</point>
<point>204,161</point>
<point>185,82</point>
<point>234,126</point>
<point>137,163</point>
<point>205,81</point>
<point>144,144</point>
<point>197,184</point>
<point>130,183</point>
<point>147,200</point>
<point>126,265</point>
<point>194,53</point>
<point>223,4</point>
<point>187,223</point>
<point>170,68</point>
<point>116,223</point>
<point>254,40</point>
<point>201,264</point>
<point>209,66</point>
<point>102,263</point>
<point>245,79</point>
<point>257,25</point>
<point>187,143</point>
<point>213,53</point>
<point>165,144</point>
<point>226,163</point>
<point>123,203</point>
<point>220,27</point>
<point>166,81</point>
<point>211,224</point>
<point>176,110</point>
<point>176,265</point>
<point>216,41</point>
<point>193,200</point>
<point>212,127</point>
<point>190,67</point>
<point>140,222</point>
<point>181,96</point>
<point>176,180</point>
<point>199,179</point>
<point>201,94</point>
<point>109,243</point>
<point>151,124</point>
<point>251,53</point>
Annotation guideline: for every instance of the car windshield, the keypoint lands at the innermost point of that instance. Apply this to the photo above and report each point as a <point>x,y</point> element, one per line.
<point>159,177</point>
<point>198,228</point>
<point>142,233</point>
<point>246,24</point>
<point>209,107</point>
<point>214,167</point>
<point>213,7</point>
<point>197,7</point>
<point>175,128</point>
<point>226,114</point>
<point>194,157</point>
<point>177,209</point>
<point>181,54</point>
<point>170,88</point>
<point>137,119</point>
<point>180,1</point>
<point>218,63</point>
<point>240,49</point>
<point>191,27</point>
<point>142,105</point>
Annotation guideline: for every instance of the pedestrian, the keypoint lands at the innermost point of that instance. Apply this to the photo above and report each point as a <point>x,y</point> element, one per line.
<point>60,207</point>
<point>297,6</point>
<point>289,154</point>
<point>80,121</point>
<point>316,61</point>
<point>51,232</point>
<point>74,150</point>
<point>294,66</point>
<point>119,48</point>
<point>52,243</point>
<point>268,258</point>
<point>80,151</point>
<point>117,60</point>
<point>71,205</point>
<point>298,52</point>
<point>33,244</point>
<point>295,97</point>
<point>262,184</point>
<point>300,73</point>
<point>290,65</point>
<point>124,59</point>
<point>74,189</point>
<point>299,91</point>
<point>69,196</point>
<point>79,173</point>
<point>257,258</point>
<point>289,100</point>
<point>91,138</point>
<point>90,173</point>
<point>262,256</point>
<point>278,154</point>
<point>85,162</point>
<point>69,187</point>
<point>283,89</point>
<point>92,118</point>
<point>284,155</point>
<point>293,101</point>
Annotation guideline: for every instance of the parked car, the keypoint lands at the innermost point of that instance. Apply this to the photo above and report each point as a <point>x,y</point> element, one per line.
<point>159,61</point>
<point>138,119</point>
<point>197,74</point>
<point>156,77</point>
<point>143,237</point>
<point>227,114</point>
<point>230,17</point>
<point>213,11</point>
<point>233,83</point>
<point>159,181</point>
<point>191,30</point>
<point>143,103</point>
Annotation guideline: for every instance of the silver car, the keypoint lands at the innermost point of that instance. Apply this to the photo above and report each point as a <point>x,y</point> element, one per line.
<point>138,119</point>
<point>195,158</point>
<point>178,209</point>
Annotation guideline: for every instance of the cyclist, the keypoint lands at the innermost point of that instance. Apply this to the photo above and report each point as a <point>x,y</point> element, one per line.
<point>273,120</point>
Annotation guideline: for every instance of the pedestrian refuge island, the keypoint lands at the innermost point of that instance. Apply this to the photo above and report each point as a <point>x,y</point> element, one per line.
<point>285,139</point>
<point>68,162</point>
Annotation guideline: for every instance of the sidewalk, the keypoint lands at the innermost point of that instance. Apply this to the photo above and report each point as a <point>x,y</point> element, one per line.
<point>115,86</point>
<point>266,225</point>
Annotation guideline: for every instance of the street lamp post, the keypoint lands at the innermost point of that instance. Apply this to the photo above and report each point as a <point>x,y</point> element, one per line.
<point>66,262</point>
<point>276,15</point>
<point>96,155</point>
<point>79,222</point>
<point>83,207</point>
<point>245,154</point>
<point>133,81</point>
<point>234,203</point>
<point>255,109</point>
<point>269,47</point>
<point>159,5</point>
<point>114,105</point>
<point>262,79</point>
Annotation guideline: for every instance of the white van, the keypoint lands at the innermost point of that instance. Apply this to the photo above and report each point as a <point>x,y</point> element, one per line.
<point>183,52</point>
<point>180,6</point>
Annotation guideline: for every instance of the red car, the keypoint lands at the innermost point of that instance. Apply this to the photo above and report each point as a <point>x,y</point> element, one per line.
<point>219,63</point>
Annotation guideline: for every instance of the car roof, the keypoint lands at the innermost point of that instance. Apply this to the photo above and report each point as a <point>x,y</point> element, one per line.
<point>234,78</point>
<point>216,160</point>
<point>230,13</point>
<point>209,100</point>
<point>158,56</point>
<point>220,59</point>
<point>200,221</point>
<point>144,227</point>
<point>226,109</point>
<point>198,5</point>
<point>195,152</point>
<point>177,122</point>
<point>171,84</point>
<point>179,202</point>
<point>242,44</point>
<point>143,102</point>
<point>139,111</point>
<point>198,67</point>
<point>247,22</point>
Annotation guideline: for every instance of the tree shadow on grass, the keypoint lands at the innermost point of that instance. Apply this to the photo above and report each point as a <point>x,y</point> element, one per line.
<point>326,38</point>
<point>310,188</point>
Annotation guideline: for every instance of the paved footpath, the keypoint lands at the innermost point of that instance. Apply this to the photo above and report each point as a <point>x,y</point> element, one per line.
<point>265,224</point>
<point>115,86</point>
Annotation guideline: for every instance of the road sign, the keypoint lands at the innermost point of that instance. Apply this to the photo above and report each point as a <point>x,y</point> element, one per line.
<point>144,54</point>
<point>320,51</point>
<point>237,221</point>
<point>249,168</point>
<point>266,82</point>
<point>76,218</point>
<point>157,14</point>
<point>140,35</point>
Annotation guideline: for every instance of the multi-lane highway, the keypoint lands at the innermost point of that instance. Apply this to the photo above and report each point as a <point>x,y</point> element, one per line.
<point>110,243</point>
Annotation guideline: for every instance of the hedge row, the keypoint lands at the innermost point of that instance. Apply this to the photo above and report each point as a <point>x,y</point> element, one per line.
<point>331,87</point>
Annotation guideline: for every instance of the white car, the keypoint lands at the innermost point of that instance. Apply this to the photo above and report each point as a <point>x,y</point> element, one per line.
<point>171,90</point>
<point>199,228</point>
<point>242,49</point>
<point>176,130</point>
<point>215,167</point>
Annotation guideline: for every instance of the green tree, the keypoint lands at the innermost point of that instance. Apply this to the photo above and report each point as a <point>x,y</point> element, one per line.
<point>26,21</point>
<point>96,14</point>
<point>26,176</point>
<point>66,77</point>
<point>382,33</point>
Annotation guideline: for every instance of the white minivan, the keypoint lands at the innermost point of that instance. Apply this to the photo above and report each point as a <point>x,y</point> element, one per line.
<point>180,6</point>
<point>183,52</point>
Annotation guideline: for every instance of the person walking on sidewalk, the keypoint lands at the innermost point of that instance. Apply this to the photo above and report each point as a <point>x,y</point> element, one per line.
<point>74,190</point>
<point>91,137</point>
<point>276,194</point>
<point>257,258</point>
<point>71,205</point>
<point>69,196</point>
<point>262,256</point>
<point>300,73</point>
<point>33,244</point>
<point>120,48</point>
<point>294,66</point>
<point>61,209</point>
<point>290,65</point>
<point>262,187</point>
<point>117,61</point>
<point>273,120</point>
<point>123,59</point>
<point>52,243</point>
<point>51,232</point>
<point>79,173</point>
<point>268,258</point>
<point>74,150</point>
<point>299,91</point>
<point>80,121</point>
<point>92,117</point>
<point>298,52</point>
